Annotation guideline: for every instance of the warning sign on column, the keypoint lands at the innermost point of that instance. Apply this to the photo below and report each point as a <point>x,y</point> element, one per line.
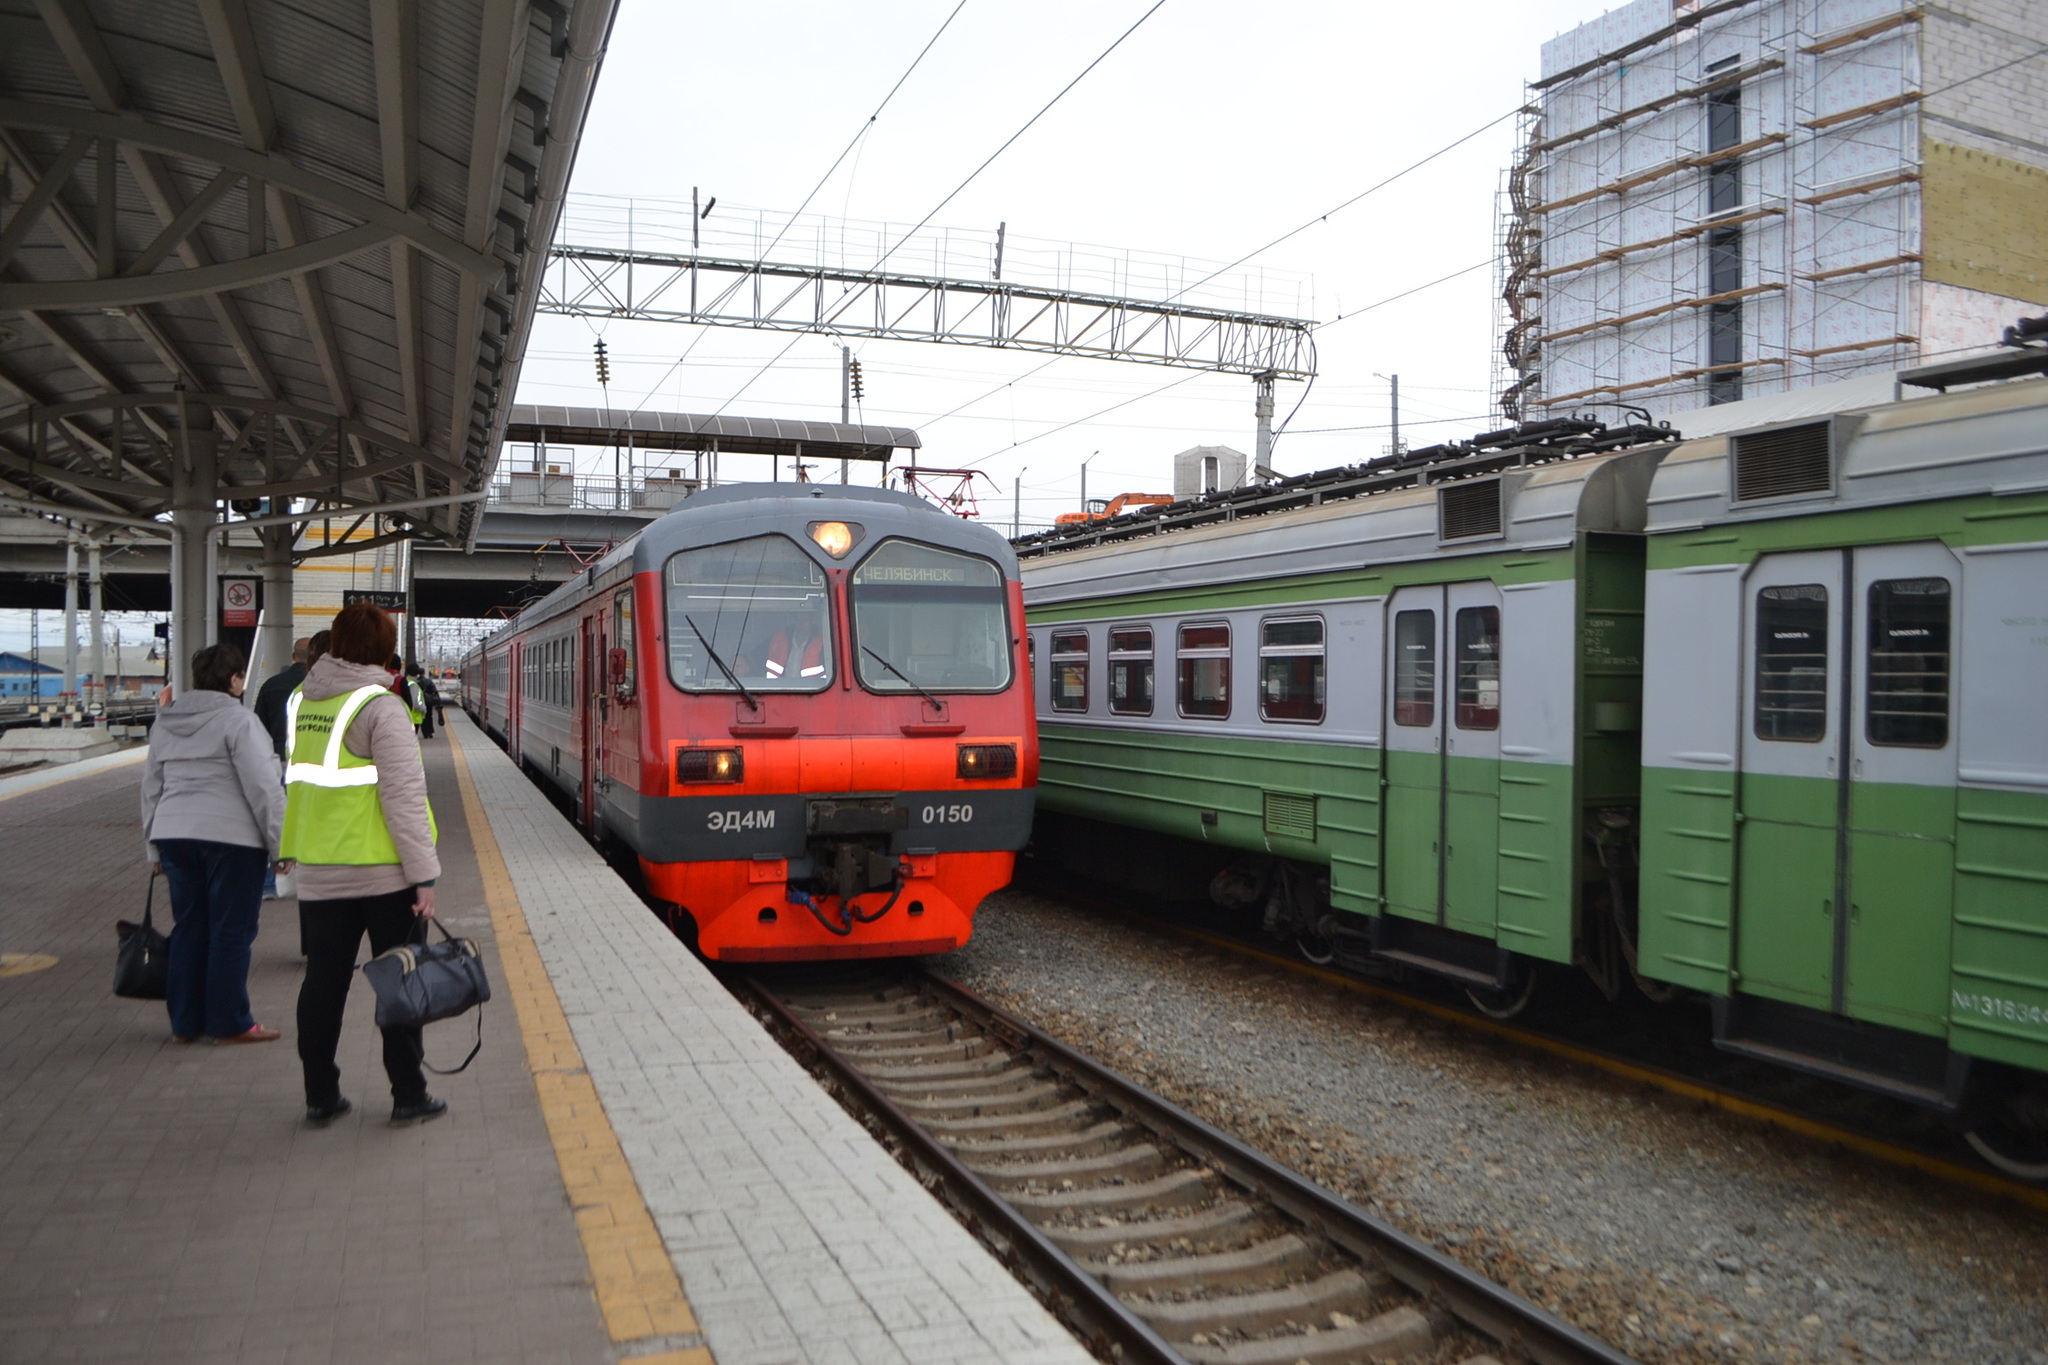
<point>238,602</point>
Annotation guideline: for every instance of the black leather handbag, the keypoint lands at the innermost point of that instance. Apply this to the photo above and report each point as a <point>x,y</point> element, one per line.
<point>419,983</point>
<point>142,964</point>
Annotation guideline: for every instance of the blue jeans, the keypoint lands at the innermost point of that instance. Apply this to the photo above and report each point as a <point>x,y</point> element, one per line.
<point>216,897</point>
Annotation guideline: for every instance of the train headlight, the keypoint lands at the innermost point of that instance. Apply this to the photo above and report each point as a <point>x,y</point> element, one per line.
<point>709,765</point>
<point>982,761</point>
<point>835,538</point>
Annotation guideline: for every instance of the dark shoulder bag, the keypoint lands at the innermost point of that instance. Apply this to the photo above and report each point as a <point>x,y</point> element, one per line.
<point>142,964</point>
<point>418,983</point>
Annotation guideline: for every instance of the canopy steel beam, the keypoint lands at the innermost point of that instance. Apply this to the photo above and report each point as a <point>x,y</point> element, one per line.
<point>603,283</point>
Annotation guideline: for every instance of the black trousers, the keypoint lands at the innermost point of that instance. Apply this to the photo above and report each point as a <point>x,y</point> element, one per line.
<point>332,932</point>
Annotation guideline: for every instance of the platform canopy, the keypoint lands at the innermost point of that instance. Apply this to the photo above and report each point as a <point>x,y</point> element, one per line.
<point>254,250</point>
<point>541,425</point>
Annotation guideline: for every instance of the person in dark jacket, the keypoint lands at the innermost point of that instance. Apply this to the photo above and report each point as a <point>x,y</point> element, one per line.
<point>212,820</point>
<point>276,691</point>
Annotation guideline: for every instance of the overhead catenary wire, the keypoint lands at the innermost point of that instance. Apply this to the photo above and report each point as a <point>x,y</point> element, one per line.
<point>971,177</point>
<point>866,126</point>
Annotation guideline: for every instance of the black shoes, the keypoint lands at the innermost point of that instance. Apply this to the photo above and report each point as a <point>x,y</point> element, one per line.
<point>420,1111</point>
<point>320,1115</point>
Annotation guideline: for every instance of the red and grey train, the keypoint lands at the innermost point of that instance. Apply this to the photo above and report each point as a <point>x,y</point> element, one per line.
<point>806,708</point>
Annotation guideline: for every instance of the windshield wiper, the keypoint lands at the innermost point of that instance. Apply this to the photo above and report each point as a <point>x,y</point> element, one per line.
<point>937,705</point>
<point>733,677</point>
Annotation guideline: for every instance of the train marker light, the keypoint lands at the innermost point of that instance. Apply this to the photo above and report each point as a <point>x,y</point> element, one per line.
<point>709,765</point>
<point>987,761</point>
<point>835,538</point>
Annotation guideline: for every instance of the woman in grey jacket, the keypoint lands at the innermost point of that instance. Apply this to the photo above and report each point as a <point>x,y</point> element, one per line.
<point>212,814</point>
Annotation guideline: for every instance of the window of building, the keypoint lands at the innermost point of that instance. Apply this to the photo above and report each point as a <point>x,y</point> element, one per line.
<point>1291,669</point>
<point>1130,670</point>
<point>1415,668</point>
<point>1906,680</point>
<point>1477,661</point>
<point>1204,660</point>
<point>1791,682</point>
<point>1070,670</point>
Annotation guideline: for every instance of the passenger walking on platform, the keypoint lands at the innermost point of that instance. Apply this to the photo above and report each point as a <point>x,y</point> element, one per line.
<point>431,695</point>
<point>271,698</point>
<point>359,827</point>
<point>276,692</point>
<point>422,687</point>
<point>212,814</point>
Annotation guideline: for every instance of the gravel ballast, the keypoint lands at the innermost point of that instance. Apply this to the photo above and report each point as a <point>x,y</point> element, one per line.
<point>1677,1231</point>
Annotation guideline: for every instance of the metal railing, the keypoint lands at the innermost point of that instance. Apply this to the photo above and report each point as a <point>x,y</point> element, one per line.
<point>652,492</point>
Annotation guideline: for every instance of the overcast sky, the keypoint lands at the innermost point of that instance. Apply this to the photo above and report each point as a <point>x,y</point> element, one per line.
<point>1213,129</point>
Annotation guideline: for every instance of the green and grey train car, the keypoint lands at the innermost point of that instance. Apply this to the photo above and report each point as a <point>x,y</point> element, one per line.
<point>1845,749</point>
<point>1402,724</point>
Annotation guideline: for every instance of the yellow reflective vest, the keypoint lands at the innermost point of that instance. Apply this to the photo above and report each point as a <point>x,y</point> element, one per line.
<point>331,812</point>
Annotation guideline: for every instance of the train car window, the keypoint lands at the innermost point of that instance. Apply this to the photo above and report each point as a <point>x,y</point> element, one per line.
<point>1204,661</point>
<point>929,618</point>
<point>1906,673</point>
<point>1477,661</point>
<point>1070,670</point>
<point>752,613</point>
<point>1415,668</point>
<point>1791,683</point>
<point>1130,671</point>
<point>1291,669</point>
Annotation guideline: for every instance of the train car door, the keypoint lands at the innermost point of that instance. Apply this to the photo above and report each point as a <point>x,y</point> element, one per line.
<point>1471,730</point>
<point>1894,963</point>
<point>1788,790</point>
<point>1846,842</point>
<point>589,704</point>
<point>1413,857</point>
<point>515,694</point>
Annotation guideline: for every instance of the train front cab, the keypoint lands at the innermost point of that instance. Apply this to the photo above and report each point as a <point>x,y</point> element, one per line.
<point>838,807</point>
<point>1846,752</point>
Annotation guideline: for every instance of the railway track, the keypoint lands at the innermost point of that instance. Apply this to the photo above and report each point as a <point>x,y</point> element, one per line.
<point>1752,1092</point>
<point>1157,1236</point>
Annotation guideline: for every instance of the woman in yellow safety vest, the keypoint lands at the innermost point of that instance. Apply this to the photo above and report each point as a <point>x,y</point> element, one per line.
<point>358,825</point>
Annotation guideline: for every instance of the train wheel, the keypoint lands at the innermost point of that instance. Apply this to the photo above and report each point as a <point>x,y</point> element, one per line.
<point>2020,1152</point>
<point>1315,949</point>
<point>1506,1004</point>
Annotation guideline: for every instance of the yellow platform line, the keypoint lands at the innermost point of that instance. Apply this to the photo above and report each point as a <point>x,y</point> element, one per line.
<point>637,1288</point>
<point>1700,1092</point>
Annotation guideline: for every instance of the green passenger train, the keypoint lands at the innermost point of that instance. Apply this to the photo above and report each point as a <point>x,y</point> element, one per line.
<point>1760,714</point>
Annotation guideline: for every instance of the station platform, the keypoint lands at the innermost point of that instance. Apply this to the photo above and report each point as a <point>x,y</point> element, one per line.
<point>632,1170</point>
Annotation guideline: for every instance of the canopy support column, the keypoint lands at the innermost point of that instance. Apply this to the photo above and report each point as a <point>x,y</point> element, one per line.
<point>71,613</point>
<point>195,488</point>
<point>96,619</point>
<point>274,641</point>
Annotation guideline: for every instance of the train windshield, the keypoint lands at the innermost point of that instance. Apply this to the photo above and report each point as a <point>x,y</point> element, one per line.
<point>930,619</point>
<point>753,613</point>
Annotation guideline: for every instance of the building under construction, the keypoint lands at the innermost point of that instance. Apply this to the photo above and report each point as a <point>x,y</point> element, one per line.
<point>1731,199</point>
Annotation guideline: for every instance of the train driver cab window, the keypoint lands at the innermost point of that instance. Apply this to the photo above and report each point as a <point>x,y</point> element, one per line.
<point>1130,670</point>
<point>1906,673</point>
<point>1205,670</point>
<point>1070,670</point>
<point>1478,668</point>
<point>930,619</point>
<point>751,613</point>
<point>1291,669</point>
<point>1791,683</point>
<point>1414,668</point>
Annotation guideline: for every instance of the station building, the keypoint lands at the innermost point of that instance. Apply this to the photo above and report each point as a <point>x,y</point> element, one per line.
<point>1724,200</point>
